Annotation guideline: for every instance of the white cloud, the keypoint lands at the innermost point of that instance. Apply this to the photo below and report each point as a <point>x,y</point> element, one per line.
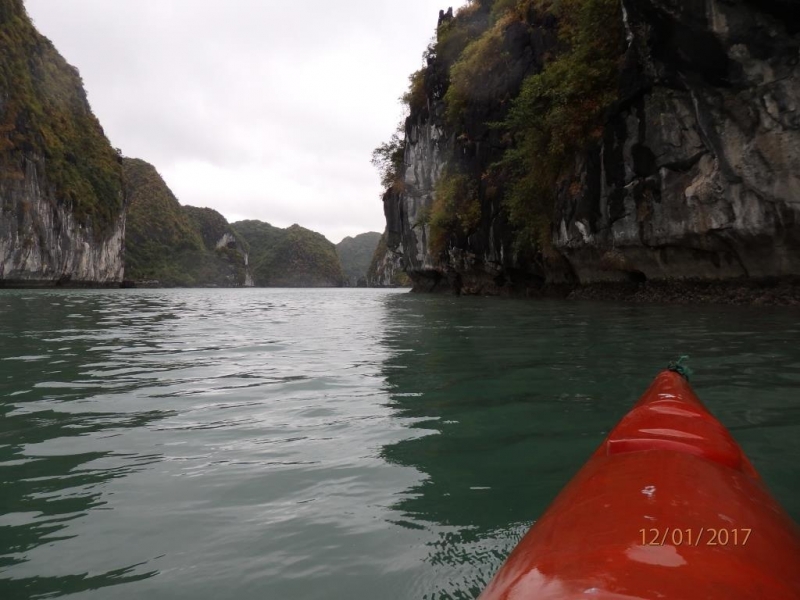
<point>260,109</point>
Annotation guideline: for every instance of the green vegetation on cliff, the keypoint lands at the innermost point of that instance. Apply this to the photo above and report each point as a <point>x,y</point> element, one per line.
<point>483,58</point>
<point>388,159</point>
<point>454,35</point>
<point>45,119</point>
<point>212,227</point>
<point>525,86</point>
<point>559,112</point>
<point>226,253</point>
<point>173,244</point>
<point>292,257</point>
<point>355,254</point>
<point>455,210</point>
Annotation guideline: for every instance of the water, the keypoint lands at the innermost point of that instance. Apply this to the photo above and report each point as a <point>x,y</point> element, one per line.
<point>337,444</point>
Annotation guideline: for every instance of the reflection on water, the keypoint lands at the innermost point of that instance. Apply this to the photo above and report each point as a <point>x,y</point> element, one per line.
<point>56,458</point>
<point>336,444</point>
<point>514,396</point>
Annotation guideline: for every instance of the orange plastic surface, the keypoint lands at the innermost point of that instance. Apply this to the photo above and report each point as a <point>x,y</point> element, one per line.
<point>644,518</point>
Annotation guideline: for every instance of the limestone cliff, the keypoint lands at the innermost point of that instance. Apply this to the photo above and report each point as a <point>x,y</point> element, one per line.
<point>698,173</point>
<point>172,245</point>
<point>689,171</point>
<point>291,257</point>
<point>386,269</point>
<point>62,217</point>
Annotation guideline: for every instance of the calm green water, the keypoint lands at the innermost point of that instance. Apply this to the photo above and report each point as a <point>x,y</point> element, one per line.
<point>340,444</point>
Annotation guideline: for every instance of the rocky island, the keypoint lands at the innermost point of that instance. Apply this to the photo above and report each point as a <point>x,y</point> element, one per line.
<point>602,148</point>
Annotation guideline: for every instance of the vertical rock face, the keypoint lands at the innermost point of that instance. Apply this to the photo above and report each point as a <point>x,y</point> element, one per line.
<point>43,243</point>
<point>387,267</point>
<point>429,148</point>
<point>695,175</point>
<point>698,174</point>
<point>62,215</point>
<point>482,260</point>
<point>427,151</point>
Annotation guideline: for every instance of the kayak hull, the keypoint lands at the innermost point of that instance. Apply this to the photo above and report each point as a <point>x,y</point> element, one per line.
<point>668,507</point>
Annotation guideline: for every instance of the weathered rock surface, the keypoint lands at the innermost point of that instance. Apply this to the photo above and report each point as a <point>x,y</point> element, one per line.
<point>484,261</point>
<point>387,267</point>
<point>62,219</point>
<point>696,177</point>
<point>42,242</point>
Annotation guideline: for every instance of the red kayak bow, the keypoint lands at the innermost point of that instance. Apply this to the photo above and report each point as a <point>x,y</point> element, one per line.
<point>667,508</point>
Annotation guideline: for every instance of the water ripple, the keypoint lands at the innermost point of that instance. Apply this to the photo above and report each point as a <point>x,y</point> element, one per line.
<point>331,443</point>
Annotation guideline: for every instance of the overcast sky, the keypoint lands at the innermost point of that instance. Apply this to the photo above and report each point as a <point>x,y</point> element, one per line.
<point>261,109</point>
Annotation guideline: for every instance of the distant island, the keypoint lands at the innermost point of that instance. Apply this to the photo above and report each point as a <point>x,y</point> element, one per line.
<point>76,212</point>
<point>356,254</point>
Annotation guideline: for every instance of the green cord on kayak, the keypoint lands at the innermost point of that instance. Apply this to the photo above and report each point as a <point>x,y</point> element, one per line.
<point>679,367</point>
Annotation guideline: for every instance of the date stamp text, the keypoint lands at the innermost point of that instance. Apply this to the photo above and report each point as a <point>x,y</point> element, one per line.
<point>694,537</point>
